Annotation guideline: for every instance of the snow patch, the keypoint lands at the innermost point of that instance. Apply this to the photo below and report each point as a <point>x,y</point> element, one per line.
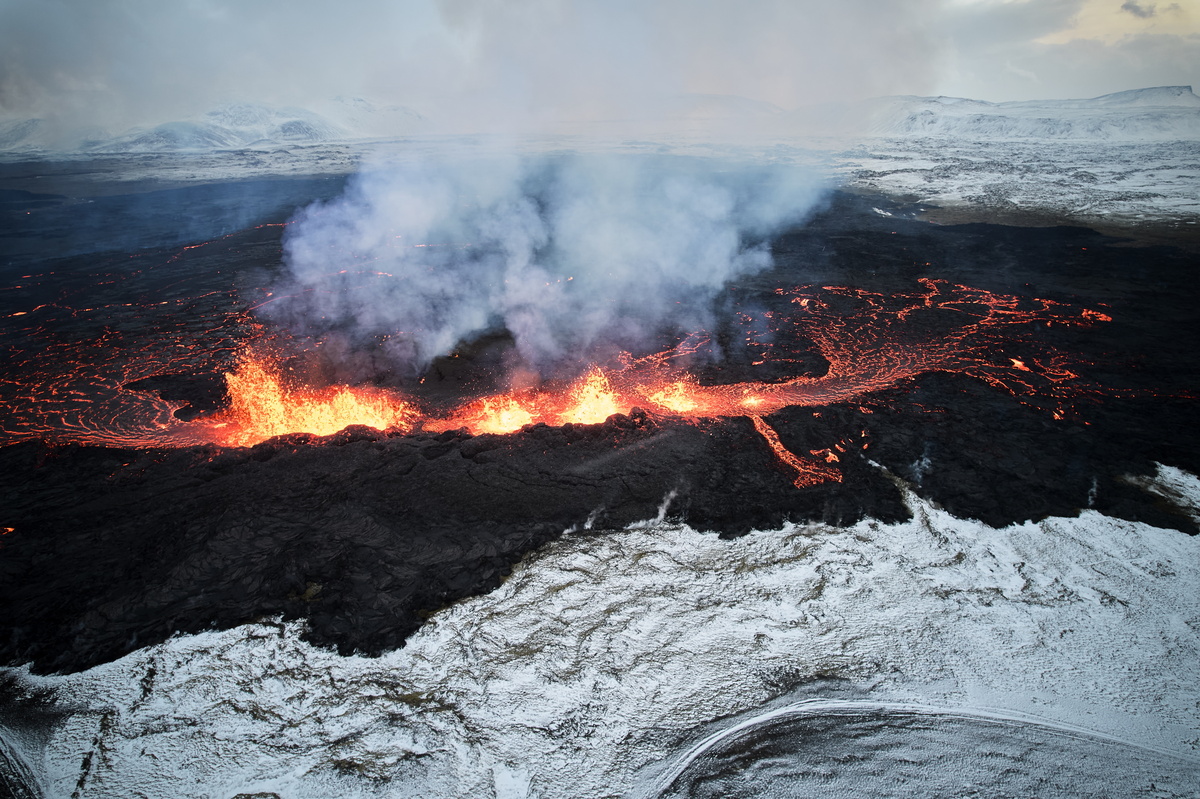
<point>1173,485</point>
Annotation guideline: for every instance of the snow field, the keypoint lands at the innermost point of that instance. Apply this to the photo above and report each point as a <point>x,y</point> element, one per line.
<point>603,655</point>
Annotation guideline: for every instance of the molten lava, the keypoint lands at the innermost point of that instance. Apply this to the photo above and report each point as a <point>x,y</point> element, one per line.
<point>589,400</point>
<point>870,341</point>
<point>502,414</point>
<point>677,397</point>
<point>261,406</point>
<point>808,472</point>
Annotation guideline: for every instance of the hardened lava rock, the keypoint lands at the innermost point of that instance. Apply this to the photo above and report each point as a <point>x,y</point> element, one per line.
<point>360,533</point>
<point>363,534</point>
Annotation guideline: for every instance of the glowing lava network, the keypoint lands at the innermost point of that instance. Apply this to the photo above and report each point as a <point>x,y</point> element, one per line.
<point>871,342</point>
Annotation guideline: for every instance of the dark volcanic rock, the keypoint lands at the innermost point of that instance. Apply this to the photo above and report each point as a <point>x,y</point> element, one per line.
<point>360,533</point>
<point>363,534</point>
<point>202,393</point>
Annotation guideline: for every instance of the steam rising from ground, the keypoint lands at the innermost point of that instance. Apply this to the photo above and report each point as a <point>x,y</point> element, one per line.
<point>575,255</point>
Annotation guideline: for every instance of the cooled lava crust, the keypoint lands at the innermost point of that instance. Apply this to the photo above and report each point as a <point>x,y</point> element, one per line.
<point>364,534</point>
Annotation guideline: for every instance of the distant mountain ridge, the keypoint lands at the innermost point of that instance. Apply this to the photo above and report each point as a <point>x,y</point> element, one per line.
<point>1162,112</point>
<point>227,127</point>
<point>231,126</point>
<point>1157,113</point>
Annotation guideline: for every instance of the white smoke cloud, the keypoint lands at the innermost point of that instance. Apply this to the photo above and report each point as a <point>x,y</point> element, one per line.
<point>575,255</point>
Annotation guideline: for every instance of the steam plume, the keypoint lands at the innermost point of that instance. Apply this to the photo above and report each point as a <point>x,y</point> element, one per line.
<point>574,255</point>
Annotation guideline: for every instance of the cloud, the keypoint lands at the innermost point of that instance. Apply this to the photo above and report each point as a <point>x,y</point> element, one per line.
<point>1138,10</point>
<point>992,25</point>
<point>124,62</point>
<point>1065,49</point>
<point>515,65</point>
<point>1090,68</point>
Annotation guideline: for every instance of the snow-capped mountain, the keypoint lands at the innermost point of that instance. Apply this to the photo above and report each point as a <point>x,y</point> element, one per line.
<point>1161,113</point>
<point>36,137</point>
<point>19,133</point>
<point>228,127</point>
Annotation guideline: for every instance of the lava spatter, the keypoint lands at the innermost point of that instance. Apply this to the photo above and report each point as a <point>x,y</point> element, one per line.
<point>262,405</point>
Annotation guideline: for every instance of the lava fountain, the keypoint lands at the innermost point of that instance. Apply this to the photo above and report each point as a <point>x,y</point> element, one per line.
<point>262,405</point>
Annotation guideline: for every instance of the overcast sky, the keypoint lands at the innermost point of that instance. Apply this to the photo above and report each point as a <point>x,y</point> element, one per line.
<point>116,63</point>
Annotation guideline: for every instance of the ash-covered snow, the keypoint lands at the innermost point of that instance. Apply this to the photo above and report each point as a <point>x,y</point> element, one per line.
<point>603,658</point>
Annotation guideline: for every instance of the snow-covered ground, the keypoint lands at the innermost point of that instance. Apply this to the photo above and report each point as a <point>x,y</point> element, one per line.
<point>591,671</point>
<point>1103,183</point>
<point>1162,113</point>
<point>1099,183</point>
<point>1126,158</point>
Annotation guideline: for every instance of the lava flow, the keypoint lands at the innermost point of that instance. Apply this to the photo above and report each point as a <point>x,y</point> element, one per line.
<point>871,342</point>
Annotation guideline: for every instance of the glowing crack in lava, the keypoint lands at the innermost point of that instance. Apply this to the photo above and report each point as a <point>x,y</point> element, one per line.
<point>871,341</point>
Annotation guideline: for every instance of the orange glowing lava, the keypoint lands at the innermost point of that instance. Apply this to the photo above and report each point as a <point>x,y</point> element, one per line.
<point>870,341</point>
<point>261,405</point>
<point>808,472</point>
<point>589,400</point>
<point>501,414</point>
<point>677,397</point>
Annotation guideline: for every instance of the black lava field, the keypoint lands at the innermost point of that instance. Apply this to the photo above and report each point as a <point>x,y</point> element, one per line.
<point>364,533</point>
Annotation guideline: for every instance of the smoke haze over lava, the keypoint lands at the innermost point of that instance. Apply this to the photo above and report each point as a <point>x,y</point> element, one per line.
<point>578,257</point>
